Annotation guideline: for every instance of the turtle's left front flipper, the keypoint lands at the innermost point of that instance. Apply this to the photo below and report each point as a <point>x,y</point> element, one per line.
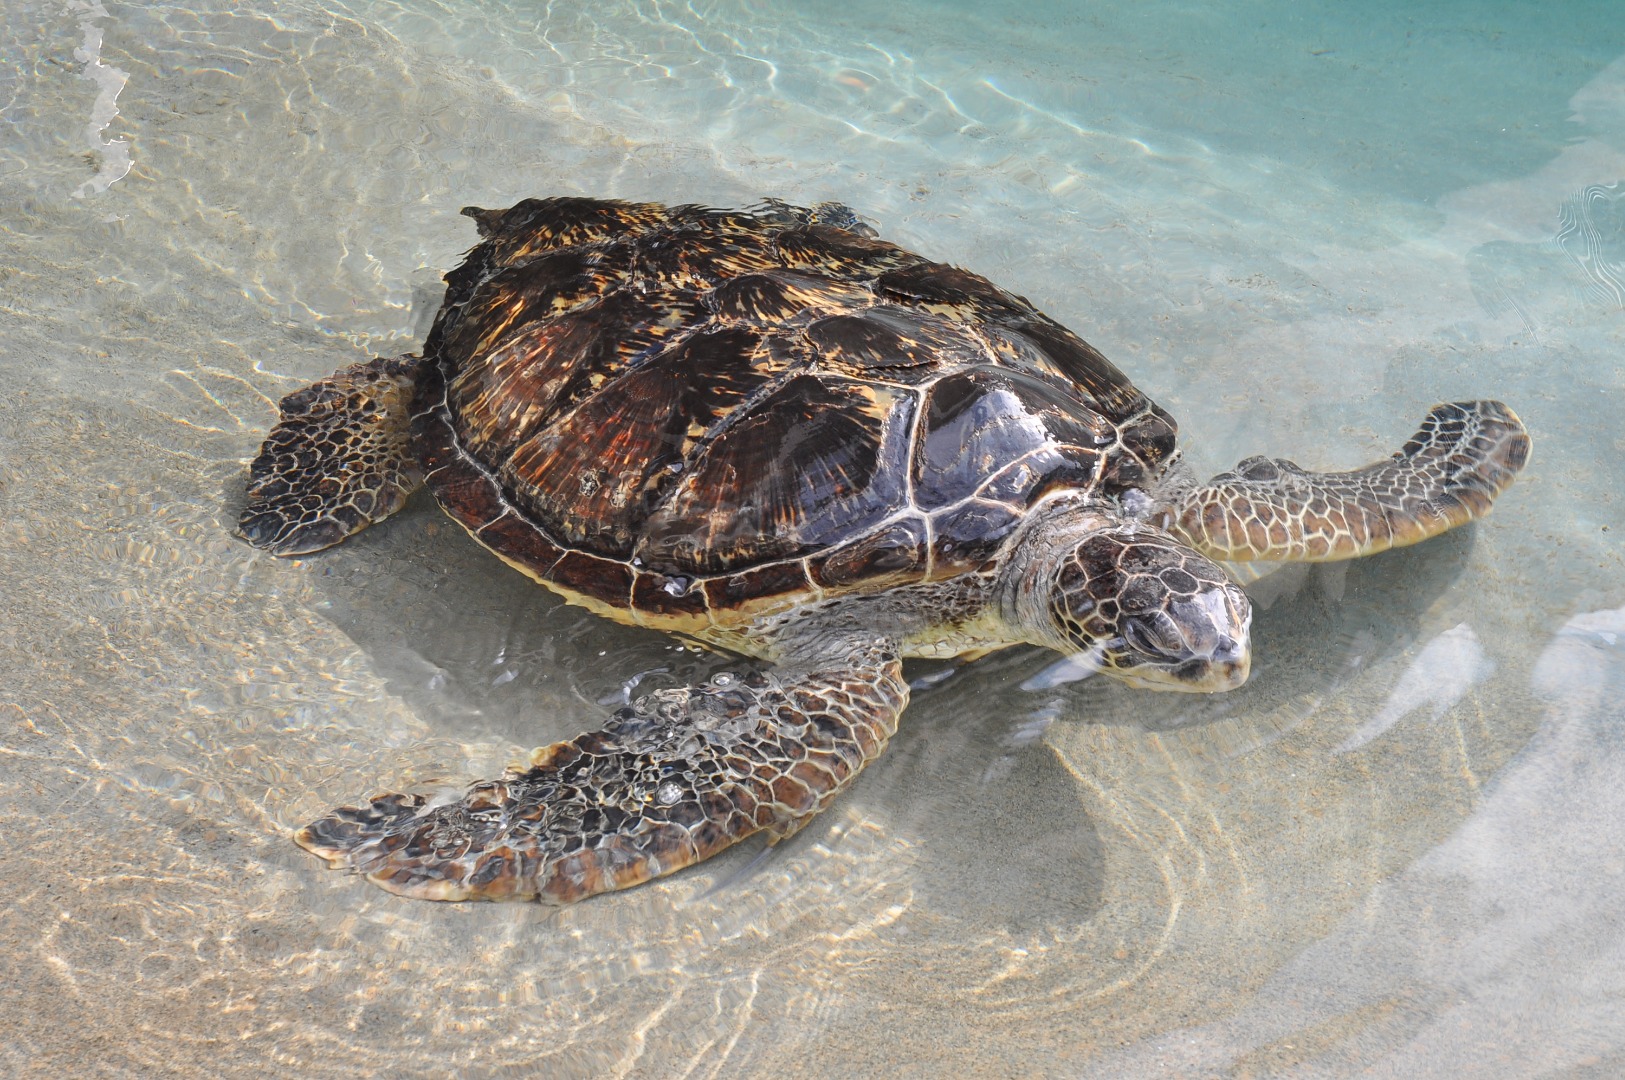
<point>1449,473</point>
<point>667,783</point>
<point>339,459</point>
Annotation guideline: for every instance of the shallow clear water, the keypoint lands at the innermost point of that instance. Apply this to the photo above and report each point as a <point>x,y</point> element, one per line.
<point>1297,225</point>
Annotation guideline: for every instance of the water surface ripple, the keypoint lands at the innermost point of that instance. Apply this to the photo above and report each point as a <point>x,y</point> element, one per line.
<point>1296,225</point>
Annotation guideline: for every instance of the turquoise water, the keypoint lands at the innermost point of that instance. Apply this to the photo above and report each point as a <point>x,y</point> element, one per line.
<point>1397,849</point>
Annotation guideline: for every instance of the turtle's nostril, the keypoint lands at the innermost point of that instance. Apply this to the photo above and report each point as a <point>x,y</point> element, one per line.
<point>1234,670</point>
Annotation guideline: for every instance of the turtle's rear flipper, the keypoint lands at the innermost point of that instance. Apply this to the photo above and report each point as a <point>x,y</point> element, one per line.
<point>671,781</point>
<point>1450,472</point>
<point>338,460</point>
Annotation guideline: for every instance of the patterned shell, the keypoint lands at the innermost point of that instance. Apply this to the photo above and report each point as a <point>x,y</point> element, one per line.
<point>685,417</point>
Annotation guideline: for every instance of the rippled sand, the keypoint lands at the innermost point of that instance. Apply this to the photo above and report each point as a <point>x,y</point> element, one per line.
<point>1397,849</point>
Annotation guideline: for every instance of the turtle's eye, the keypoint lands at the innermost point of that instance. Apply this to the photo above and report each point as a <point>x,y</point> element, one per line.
<point>1153,634</point>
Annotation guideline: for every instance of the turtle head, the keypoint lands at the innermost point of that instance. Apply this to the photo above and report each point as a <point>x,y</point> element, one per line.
<point>1150,610</point>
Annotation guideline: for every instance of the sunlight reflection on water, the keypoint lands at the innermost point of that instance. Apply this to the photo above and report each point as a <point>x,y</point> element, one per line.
<point>1390,848</point>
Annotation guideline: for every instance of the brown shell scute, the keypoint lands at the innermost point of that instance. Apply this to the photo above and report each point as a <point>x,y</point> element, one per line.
<point>891,343</point>
<point>553,284</point>
<point>593,476</point>
<point>840,255</point>
<point>545,368</point>
<point>815,463</point>
<point>1052,348</point>
<point>672,259</point>
<point>685,412</point>
<point>985,418</point>
<point>537,225</point>
<point>959,294</point>
<point>781,297</point>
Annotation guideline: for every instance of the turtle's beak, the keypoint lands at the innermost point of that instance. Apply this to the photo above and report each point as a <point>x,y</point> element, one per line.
<point>1226,669</point>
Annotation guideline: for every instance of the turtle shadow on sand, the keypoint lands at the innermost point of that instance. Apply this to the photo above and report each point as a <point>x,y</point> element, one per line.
<point>483,655</point>
<point>969,775</point>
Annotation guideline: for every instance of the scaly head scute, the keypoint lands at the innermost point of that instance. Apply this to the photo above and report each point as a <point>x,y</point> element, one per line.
<point>1151,611</point>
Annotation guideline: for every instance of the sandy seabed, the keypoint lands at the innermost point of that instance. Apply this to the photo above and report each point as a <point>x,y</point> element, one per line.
<point>1396,850</point>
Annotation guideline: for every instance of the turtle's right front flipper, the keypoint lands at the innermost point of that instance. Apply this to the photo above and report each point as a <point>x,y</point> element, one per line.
<point>339,459</point>
<point>665,784</point>
<point>1449,473</point>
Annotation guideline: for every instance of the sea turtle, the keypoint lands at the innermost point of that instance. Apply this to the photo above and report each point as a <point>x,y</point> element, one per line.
<point>773,433</point>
